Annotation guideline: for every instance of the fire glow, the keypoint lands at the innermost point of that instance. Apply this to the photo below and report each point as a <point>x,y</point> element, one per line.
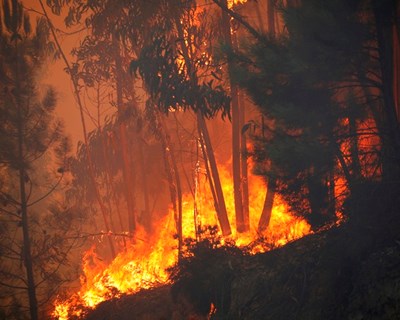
<point>143,263</point>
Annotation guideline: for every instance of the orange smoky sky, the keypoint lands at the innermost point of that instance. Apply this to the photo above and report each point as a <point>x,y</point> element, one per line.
<point>54,74</point>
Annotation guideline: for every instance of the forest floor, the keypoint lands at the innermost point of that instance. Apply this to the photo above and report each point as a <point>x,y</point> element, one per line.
<point>351,271</point>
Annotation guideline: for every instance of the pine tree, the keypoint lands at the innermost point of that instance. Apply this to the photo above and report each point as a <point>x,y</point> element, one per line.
<point>314,86</point>
<point>31,139</point>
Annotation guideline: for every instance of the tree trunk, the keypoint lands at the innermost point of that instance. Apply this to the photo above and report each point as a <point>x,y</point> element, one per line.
<point>147,219</point>
<point>268,205</point>
<point>82,116</point>
<point>236,148</point>
<point>265,217</point>
<point>175,181</point>
<point>209,175</point>
<point>244,166</point>
<point>221,213</point>
<point>384,12</point>
<point>271,16</point>
<point>332,197</point>
<point>355,158</point>
<point>260,19</point>
<point>33,306</point>
<point>27,253</point>
<point>127,167</point>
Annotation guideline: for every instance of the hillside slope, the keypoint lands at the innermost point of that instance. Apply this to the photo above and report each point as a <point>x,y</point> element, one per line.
<point>346,272</point>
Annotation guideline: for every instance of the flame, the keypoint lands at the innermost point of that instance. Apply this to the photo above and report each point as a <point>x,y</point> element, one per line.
<point>283,226</point>
<point>231,3</point>
<point>144,262</point>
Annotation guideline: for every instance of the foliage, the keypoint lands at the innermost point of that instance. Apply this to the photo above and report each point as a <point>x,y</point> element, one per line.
<point>182,74</point>
<point>33,163</point>
<point>312,86</point>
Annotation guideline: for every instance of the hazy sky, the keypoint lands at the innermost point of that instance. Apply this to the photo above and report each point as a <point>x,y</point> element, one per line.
<point>54,74</point>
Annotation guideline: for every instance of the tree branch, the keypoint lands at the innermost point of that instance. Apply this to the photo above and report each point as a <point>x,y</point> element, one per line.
<point>241,20</point>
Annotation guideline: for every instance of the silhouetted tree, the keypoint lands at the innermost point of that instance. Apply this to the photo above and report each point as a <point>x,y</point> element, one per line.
<point>319,86</point>
<point>33,152</point>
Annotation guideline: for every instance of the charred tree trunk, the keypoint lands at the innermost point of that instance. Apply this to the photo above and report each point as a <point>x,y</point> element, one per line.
<point>236,148</point>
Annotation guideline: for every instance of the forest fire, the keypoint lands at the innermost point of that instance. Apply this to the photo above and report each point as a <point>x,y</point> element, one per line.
<point>146,259</point>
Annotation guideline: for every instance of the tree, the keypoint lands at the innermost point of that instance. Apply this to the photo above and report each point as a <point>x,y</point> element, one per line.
<point>102,60</point>
<point>31,140</point>
<point>303,80</point>
<point>170,66</point>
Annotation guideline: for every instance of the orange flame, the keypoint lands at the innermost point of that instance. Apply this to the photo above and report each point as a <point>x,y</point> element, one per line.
<point>143,264</point>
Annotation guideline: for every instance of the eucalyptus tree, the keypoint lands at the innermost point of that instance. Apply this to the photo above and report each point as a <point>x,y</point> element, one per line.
<point>34,222</point>
<point>180,72</point>
<point>102,59</point>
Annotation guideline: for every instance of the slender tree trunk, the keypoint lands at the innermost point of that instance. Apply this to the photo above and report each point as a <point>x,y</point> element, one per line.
<point>174,175</point>
<point>83,122</point>
<point>110,182</point>
<point>108,175</point>
<point>331,190</point>
<point>222,213</point>
<point>208,171</point>
<point>236,148</point>
<point>147,219</point>
<point>244,166</point>
<point>128,168</point>
<point>265,217</point>
<point>271,16</point>
<point>173,179</point>
<point>355,158</point>
<point>260,19</point>
<point>345,168</point>
<point>27,252</point>
<point>33,305</point>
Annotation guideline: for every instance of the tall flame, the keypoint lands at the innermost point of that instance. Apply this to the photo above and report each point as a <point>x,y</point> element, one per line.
<point>144,262</point>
